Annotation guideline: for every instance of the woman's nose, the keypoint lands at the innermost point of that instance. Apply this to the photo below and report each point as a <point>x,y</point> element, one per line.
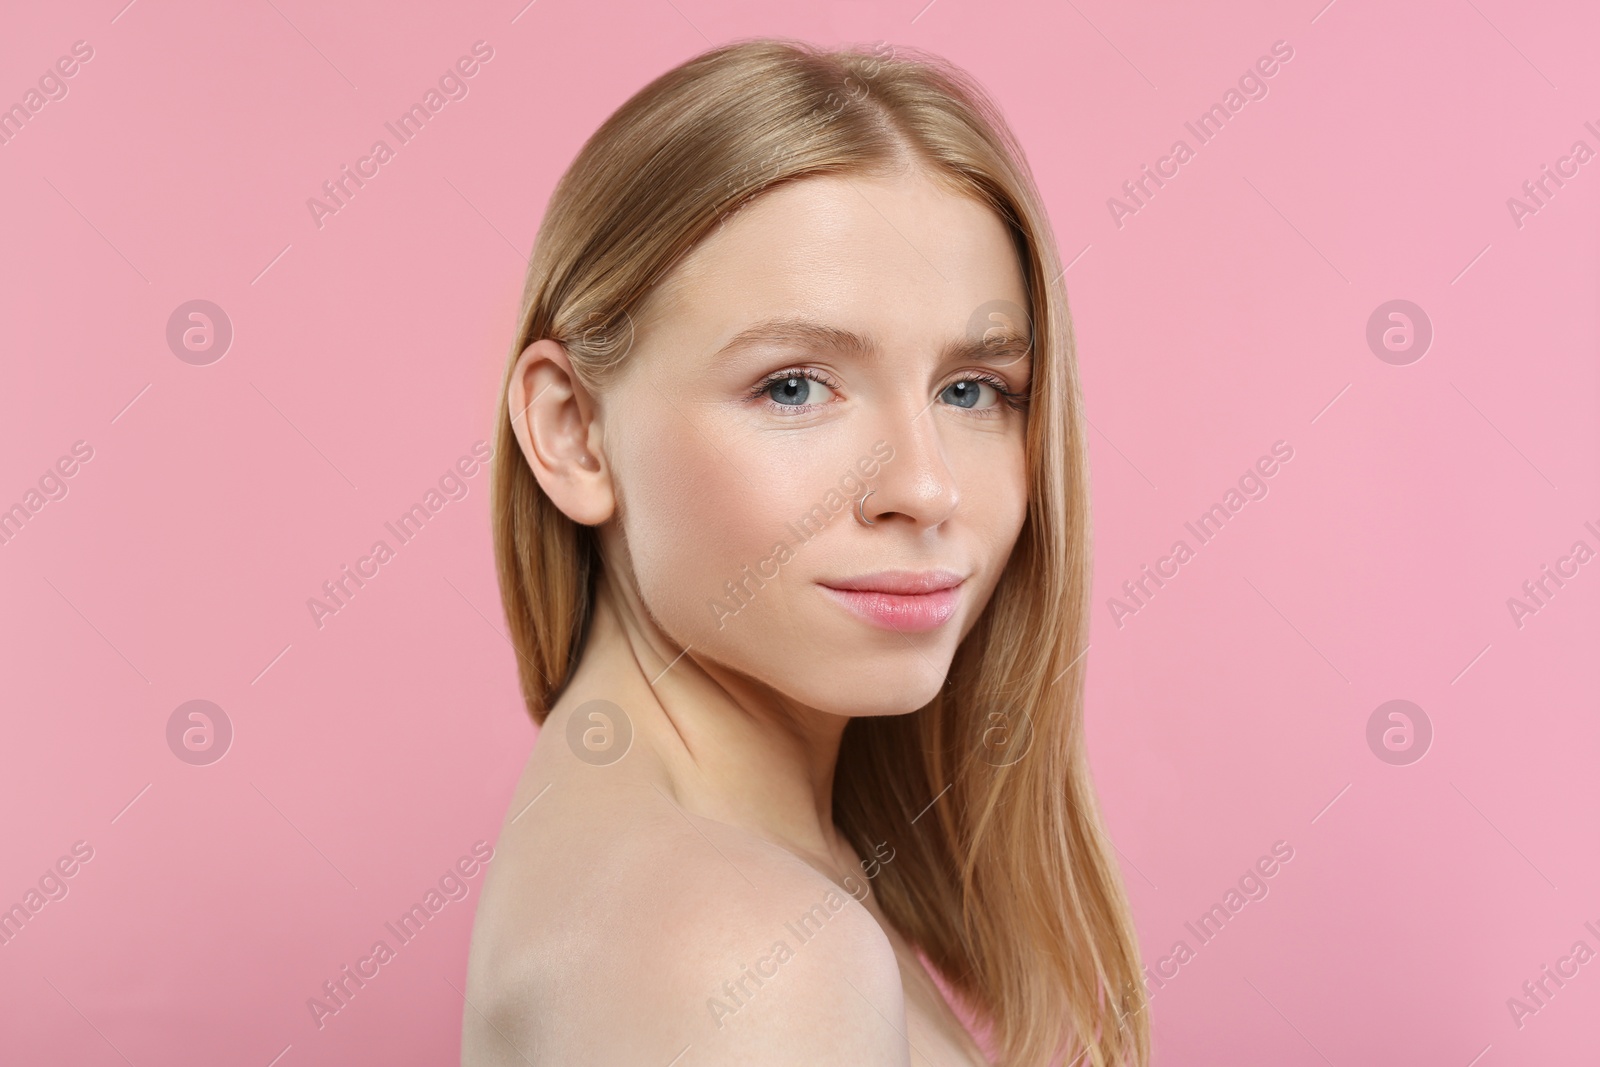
<point>916,484</point>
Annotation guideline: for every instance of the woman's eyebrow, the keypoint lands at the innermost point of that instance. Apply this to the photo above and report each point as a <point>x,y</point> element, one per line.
<point>998,346</point>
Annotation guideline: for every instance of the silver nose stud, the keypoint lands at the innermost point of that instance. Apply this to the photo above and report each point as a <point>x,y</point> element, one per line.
<point>861,515</point>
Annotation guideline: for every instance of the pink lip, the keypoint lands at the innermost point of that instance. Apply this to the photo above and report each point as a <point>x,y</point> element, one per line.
<point>901,582</point>
<point>907,601</point>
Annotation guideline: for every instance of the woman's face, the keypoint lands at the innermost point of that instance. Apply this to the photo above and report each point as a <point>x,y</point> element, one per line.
<point>828,339</point>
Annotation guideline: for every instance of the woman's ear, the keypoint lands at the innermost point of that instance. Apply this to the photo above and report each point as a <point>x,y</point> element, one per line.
<point>555,420</point>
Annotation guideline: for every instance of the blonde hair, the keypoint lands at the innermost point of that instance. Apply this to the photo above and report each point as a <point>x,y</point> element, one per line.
<point>1006,883</point>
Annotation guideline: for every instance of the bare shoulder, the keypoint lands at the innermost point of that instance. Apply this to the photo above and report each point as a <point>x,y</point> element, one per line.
<point>616,928</point>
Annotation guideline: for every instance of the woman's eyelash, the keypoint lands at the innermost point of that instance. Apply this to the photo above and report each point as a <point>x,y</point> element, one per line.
<point>1016,401</point>
<point>784,375</point>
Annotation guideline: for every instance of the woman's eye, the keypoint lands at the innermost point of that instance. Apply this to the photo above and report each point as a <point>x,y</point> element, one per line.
<point>804,390</point>
<point>796,391</point>
<point>966,393</point>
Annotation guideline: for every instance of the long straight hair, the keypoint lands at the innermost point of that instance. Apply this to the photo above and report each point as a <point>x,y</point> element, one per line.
<point>1001,872</point>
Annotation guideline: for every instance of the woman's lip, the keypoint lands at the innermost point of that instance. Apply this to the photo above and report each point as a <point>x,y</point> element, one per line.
<point>900,583</point>
<point>913,613</point>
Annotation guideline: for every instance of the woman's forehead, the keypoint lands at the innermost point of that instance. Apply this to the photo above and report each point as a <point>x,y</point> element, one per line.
<point>877,255</point>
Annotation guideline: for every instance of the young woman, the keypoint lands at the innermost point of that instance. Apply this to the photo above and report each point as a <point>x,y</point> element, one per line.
<point>792,522</point>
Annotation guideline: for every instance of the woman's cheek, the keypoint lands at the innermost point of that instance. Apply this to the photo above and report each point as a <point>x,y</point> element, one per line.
<point>692,522</point>
<point>997,489</point>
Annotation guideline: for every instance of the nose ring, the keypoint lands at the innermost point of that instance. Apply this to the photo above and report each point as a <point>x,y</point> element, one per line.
<point>861,515</point>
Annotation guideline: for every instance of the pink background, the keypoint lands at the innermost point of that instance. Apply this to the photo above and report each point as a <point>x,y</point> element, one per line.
<point>1230,312</point>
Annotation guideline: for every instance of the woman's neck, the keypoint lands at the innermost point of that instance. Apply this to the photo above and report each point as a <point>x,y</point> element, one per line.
<point>727,747</point>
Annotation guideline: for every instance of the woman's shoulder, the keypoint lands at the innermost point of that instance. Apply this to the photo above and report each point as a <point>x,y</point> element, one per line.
<point>615,924</point>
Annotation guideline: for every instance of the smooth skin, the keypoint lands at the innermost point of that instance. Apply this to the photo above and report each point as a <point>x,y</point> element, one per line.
<point>623,896</point>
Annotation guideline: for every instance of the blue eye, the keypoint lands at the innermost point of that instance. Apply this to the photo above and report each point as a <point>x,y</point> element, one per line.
<point>965,393</point>
<point>805,387</point>
<point>796,390</point>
